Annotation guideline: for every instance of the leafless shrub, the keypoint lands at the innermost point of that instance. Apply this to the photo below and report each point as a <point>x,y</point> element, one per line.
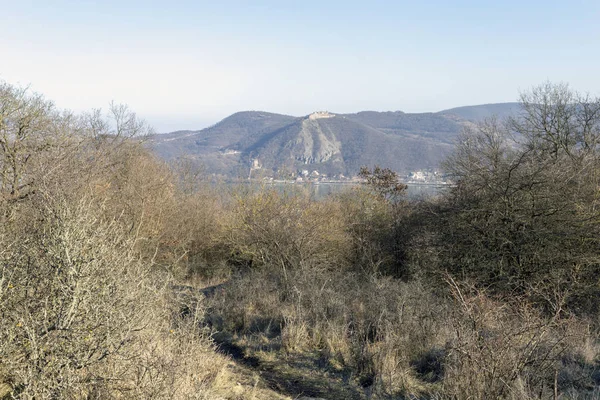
<point>84,311</point>
<point>287,231</point>
<point>524,208</point>
<point>504,349</point>
<point>82,316</point>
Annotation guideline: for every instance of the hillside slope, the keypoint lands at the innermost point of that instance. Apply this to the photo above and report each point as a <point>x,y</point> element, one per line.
<point>331,144</point>
<point>481,112</point>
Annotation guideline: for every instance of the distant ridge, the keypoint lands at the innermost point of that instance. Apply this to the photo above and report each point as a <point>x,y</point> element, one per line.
<point>324,142</point>
<point>483,111</point>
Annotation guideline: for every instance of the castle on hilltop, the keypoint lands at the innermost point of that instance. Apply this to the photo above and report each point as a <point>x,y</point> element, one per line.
<point>321,114</point>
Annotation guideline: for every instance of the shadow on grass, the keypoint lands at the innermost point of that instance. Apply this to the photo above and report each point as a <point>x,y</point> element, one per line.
<point>294,375</point>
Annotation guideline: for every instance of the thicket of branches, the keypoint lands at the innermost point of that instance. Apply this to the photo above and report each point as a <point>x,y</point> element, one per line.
<point>523,217</point>
<point>488,291</point>
<point>89,240</point>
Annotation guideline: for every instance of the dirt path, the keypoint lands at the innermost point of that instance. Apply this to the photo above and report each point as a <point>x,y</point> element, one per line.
<point>295,376</point>
<point>300,376</point>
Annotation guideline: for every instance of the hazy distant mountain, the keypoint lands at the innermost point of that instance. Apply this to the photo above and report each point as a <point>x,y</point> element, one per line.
<point>481,112</point>
<point>329,143</point>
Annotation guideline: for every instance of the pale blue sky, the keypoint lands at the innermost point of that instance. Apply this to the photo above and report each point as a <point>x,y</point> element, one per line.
<point>186,64</point>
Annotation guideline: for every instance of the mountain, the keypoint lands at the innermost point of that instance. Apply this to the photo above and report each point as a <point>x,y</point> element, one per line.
<point>481,112</point>
<point>331,144</point>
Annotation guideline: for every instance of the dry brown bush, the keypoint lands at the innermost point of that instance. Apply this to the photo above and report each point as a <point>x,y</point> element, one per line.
<point>401,340</point>
<point>380,231</point>
<point>84,218</point>
<point>524,211</point>
<point>83,316</point>
<point>92,228</point>
<point>398,338</point>
<point>507,349</point>
<point>370,325</point>
<point>287,231</point>
<point>520,223</point>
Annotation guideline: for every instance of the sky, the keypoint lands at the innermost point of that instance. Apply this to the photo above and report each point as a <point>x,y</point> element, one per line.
<point>189,64</point>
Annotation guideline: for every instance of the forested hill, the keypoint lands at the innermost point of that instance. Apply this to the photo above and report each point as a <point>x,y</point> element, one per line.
<point>329,143</point>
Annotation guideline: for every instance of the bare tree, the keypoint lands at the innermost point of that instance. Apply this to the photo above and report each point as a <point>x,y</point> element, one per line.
<point>524,209</point>
<point>84,313</point>
<point>25,129</point>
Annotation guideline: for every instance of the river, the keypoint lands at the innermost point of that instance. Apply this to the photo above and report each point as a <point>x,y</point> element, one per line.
<point>323,190</point>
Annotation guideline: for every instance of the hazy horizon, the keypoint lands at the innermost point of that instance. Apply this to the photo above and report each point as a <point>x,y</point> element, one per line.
<point>190,64</point>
